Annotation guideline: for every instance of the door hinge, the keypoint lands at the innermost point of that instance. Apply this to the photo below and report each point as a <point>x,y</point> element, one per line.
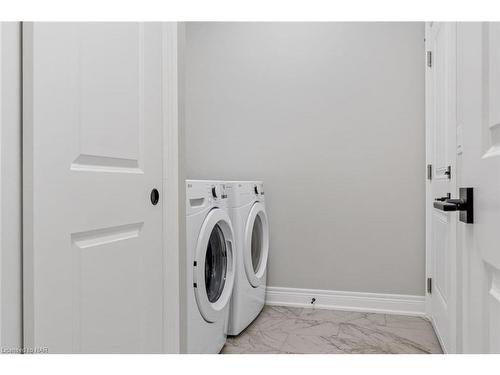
<point>448,172</point>
<point>429,285</point>
<point>429,59</point>
<point>429,171</point>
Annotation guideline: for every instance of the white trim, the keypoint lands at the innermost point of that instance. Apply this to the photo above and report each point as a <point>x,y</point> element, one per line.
<point>454,315</point>
<point>171,193</point>
<point>352,301</point>
<point>27,186</point>
<point>428,160</point>
<point>10,186</point>
<point>438,335</point>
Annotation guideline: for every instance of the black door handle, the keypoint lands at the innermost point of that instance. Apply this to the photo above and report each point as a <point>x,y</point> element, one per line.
<point>442,199</point>
<point>445,206</point>
<point>448,171</point>
<point>464,204</point>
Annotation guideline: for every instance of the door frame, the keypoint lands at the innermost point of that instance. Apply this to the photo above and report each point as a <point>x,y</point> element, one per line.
<point>174,209</point>
<point>428,161</point>
<point>10,188</point>
<point>429,198</point>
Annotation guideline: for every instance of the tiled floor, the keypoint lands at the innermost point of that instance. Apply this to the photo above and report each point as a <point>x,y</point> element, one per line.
<point>295,330</point>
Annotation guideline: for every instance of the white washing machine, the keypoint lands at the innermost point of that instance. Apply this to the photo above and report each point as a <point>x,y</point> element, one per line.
<point>210,266</point>
<point>247,211</point>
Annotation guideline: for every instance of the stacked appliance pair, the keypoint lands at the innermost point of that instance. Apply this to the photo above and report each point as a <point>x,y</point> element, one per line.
<point>227,249</point>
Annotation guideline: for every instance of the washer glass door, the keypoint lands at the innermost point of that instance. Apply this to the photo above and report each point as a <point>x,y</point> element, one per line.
<point>256,245</point>
<point>215,264</point>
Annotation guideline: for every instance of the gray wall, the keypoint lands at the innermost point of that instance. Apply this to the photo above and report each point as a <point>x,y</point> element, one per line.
<point>10,186</point>
<point>331,117</point>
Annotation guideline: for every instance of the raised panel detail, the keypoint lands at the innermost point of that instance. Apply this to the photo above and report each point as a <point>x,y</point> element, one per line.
<point>441,261</point>
<point>109,278</point>
<point>441,102</point>
<point>91,163</point>
<point>491,87</point>
<point>493,71</point>
<point>494,312</point>
<point>111,96</point>
<point>105,236</point>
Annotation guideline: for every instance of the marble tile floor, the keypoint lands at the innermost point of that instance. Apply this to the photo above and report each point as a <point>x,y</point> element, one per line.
<point>313,331</point>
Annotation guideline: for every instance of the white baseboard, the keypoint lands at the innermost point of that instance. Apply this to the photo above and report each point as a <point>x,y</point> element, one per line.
<point>352,301</point>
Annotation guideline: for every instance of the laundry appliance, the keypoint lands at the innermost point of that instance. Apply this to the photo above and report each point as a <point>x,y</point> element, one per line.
<point>210,272</point>
<point>247,211</point>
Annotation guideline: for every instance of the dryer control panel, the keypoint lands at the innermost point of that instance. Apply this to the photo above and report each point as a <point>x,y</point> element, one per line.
<point>241,193</point>
<point>201,195</point>
<point>258,189</point>
<point>218,191</point>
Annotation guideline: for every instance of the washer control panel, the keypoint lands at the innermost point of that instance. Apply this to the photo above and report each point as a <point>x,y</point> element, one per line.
<point>258,189</point>
<point>218,191</point>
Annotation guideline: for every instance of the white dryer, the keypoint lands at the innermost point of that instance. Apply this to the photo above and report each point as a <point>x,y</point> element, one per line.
<point>210,266</point>
<point>247,211</point>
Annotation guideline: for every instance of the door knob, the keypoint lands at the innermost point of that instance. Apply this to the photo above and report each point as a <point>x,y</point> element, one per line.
<point>155,197</point>
<point>464,204</point>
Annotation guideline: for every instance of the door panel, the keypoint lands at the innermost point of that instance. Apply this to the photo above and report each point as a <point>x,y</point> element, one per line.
<point>441,297</point>
<point>442,260</point>
<point>479,116</point>
<point>93,152</point>
<point>490,159</point>
<point>441,57</point>
<point>486,233</point>
<point>441,109</point>
<point>112,101</point>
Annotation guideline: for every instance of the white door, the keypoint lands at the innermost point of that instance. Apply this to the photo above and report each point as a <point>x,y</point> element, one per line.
<point>478,95</point>
<point>441,226</point>
<point>92,156</point>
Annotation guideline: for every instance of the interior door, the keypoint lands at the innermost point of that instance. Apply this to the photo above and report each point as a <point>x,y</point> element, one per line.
<point>479,167</point>
<point>441,118</point>
<point>92,156</point>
